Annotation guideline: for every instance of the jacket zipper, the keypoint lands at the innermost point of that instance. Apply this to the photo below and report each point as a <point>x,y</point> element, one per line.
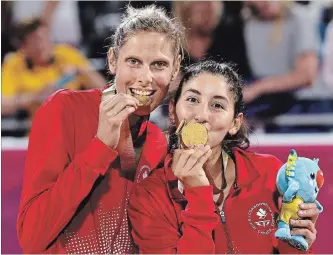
<point>223,220</point>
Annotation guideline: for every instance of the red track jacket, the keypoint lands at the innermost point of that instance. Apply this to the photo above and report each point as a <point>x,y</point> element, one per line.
<point>75,197</point>
<point>165,221</point>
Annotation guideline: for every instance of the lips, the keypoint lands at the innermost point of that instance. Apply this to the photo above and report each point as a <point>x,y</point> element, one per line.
<point>142,92</point>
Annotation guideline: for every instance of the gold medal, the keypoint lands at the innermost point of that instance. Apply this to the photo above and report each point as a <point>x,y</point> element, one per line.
<point>192,133</point>
<point>143,100</point>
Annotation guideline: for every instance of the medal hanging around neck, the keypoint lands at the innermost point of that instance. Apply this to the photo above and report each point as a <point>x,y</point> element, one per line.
<point>125,148</point>
<point>216,190</point>
<point>225,159</point>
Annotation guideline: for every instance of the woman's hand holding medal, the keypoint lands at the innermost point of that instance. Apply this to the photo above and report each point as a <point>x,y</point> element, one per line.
<point>188,160</point>
<point>113,110</point>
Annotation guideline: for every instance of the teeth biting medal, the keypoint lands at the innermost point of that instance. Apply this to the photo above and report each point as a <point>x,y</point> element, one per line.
<point>143,100</point>
<point>142,96</point>
<point>111,91</point>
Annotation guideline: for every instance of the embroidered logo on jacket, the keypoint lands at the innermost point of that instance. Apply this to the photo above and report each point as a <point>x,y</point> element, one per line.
<point>261,218</point>
<point>143,173</point>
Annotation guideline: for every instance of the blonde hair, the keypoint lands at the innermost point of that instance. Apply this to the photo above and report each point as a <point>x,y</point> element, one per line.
<point>150,19</point>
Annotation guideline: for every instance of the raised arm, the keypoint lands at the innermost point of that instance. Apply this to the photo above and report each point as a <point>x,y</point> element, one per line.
<point>56,180</point>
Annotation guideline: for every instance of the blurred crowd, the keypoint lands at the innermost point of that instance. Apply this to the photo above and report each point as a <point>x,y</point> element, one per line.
<point>280,48</point>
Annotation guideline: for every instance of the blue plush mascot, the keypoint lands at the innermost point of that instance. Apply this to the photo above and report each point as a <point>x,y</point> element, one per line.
<point>298,181</point>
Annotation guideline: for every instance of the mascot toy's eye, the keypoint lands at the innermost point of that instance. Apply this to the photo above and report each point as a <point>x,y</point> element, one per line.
<point>312,175</point>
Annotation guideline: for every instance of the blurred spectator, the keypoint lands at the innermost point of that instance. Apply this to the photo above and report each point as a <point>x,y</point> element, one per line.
<point>98,20</point>
<point>6,25</point>
<point>328,56</point>
<point>39,68</point>
<point>200,19</point>
<point>328,12</point>
<point>282,46</point>
<point>61,16</point>
<point>214,31</point>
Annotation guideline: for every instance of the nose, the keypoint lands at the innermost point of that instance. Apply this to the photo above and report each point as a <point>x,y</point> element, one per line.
<point>320,178</point>
<point>201,114</point>
<point>145,76</point>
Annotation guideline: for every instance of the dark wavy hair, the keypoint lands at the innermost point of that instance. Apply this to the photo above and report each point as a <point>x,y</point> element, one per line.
<point>240,139</point>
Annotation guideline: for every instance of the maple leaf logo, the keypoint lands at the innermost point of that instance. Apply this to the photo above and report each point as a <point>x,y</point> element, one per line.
<point>261,214</point>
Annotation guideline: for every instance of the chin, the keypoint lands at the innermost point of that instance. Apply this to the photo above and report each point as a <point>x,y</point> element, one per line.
<point>145,109</point>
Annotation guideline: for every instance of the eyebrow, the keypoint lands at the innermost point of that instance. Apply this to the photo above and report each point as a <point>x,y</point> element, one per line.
<point>215,97</point>
<point>156,59</point>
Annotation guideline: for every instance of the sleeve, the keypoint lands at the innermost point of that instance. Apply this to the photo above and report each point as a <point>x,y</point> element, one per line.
<point>55,183</point>
<point>306,34</point>
<point>328,57</point>
<point>154,233</point>
<point>9,80</point>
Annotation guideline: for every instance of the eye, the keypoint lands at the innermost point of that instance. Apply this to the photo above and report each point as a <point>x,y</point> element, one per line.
<point>218,106</point>
<point>133,61</point>
<point>312,175</point>
<point>159,64</point>
<point>192,100</point>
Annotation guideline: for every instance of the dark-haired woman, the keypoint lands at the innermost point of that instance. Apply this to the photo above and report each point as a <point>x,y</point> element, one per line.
<point>213,198</point>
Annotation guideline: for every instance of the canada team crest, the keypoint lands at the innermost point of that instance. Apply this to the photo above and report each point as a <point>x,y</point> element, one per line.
<point>143,173</point>
<point>261,218</point>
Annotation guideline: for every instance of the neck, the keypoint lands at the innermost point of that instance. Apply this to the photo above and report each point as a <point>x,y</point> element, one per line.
<point>214,164</point>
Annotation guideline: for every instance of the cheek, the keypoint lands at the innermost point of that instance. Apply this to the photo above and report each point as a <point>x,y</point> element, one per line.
<point>162,79</point>
<point>218,125</point>
<point>219,128</point>
<point>183,111</point>
<point>124,79</point>
<point>159,97</point>
<point>161,83</point>
<point>179,113</point>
